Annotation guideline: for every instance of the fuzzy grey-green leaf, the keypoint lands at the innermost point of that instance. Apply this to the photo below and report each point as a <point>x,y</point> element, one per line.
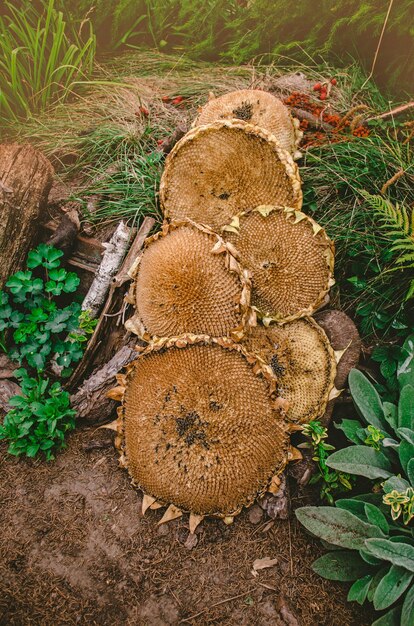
<point>407,613</point>
<point>367,400</point>
<point>391,587</point>
<point>358,591</point>
<point>342,565</point>
<point>337,526</point>
<point>362,461</point>
<point>401,554</point>
<point>405,407</point>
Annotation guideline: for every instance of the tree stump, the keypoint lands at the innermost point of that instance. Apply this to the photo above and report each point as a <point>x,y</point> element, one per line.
<point>25,181</point>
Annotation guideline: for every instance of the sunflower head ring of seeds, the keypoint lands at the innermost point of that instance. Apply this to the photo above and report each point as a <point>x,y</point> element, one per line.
<point>226,167</point>
<point>290,258</point>
<point>304,362</point>
<point>256,107</point>
<point>188,281</point>
<point>200,428</point>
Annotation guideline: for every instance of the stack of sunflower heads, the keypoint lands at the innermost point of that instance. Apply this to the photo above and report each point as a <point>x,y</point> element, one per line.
<point>223,296</point>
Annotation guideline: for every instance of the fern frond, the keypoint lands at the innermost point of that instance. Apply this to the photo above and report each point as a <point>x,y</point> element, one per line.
<point>406,258</point>
<point>397,226</point>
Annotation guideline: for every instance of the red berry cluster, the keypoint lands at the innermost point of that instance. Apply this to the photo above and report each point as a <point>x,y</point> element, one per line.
<point>339,127</point>
<point>176,101</point>
<point>325,88</point>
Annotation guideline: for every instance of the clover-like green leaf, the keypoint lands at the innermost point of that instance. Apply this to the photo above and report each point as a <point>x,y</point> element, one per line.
<point>71,283</point>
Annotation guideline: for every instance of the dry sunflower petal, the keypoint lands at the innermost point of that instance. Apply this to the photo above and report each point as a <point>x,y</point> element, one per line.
<point>225,167</point>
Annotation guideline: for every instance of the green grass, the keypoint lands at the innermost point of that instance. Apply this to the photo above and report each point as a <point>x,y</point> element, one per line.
<point>238,31</point>
<point>42,60</point>
<point>335,176</point>
<point>122,177</point>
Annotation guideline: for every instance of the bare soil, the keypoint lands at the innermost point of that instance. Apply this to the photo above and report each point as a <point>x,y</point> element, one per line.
<point>75,549</point>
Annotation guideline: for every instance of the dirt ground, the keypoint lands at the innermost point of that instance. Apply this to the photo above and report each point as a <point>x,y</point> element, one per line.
<point>75,549</point>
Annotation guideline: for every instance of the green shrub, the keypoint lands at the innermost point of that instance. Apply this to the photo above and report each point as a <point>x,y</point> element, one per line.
<point>237,31</point>
<point>40,418</point>
<point>330,481</point>
<point>342,182</point>
<point>33,327</point>
<point>372,535</point>
<point>42,59</point>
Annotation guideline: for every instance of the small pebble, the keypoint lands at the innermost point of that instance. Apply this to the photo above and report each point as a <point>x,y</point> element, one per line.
<point>255,514</point>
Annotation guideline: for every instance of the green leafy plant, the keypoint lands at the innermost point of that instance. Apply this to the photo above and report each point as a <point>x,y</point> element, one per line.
<point>342,181</point>
<point>33,327</point>
<point>371,535</point>
<point>41,58</point>
<point>40,418</point>
<point>397,221</point>
<point>332,481</point>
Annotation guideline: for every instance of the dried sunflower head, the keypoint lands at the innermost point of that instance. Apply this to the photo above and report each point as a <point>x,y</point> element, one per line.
<point>290,258</point>
<point>220,169</point>
<point>198,427</point>
<point>188,281</point>
<point>259,108</point>
<point>303,361</point>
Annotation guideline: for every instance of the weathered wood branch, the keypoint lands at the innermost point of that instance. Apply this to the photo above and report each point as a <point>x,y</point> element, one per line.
<point>91,401</point>
<point>110,314</point>
<point>115,250</point>
<point>25,181</point>
<point>393,112</point>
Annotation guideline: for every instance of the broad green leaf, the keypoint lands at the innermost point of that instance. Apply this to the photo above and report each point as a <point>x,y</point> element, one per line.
<point>58,275</point>
<point>405,369</point>
<point>391,414</point>
<point>410,471</point>
<point>376,580</point>
<point>401,554</point>
<point>337,526</point>
<point>388,368</point>
<point>372,498</point>
<point>71,283</point>
<point>34,259</point>
<point>407,434</point>
<point>32,449</point>
<point>368,558</point>
<point>397,483</point>
<point>356,507</point>
<point>52,256</point>
<point>366,399</point>
<point>376,516</point>
<point>407,613</point>
<point>362,461</point>
<point>341,565</point>
<point>359,590</point>
<point>392,618</point>
<point>406,453</point>
<point>406,407</point>
<point>350,428</point>
<point>391,587</point>
<point>53,287</point>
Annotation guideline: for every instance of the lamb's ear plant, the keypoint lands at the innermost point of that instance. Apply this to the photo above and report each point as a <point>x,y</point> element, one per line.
<point>371,535</point>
